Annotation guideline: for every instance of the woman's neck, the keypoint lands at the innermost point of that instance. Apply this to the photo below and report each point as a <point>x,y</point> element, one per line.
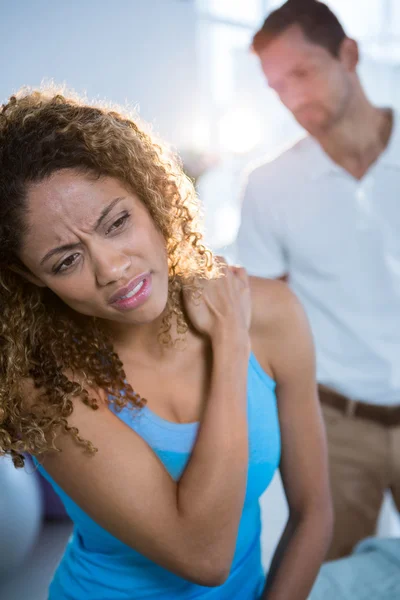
<point>145,341</point>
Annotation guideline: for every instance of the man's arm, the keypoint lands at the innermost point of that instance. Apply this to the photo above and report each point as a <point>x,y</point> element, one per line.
<point>260,245</point>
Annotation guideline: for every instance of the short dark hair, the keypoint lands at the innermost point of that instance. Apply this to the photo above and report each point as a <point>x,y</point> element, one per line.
<point>315,19</point>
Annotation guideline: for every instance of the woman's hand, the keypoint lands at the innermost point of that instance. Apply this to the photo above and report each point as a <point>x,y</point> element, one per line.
<point>224,305</point>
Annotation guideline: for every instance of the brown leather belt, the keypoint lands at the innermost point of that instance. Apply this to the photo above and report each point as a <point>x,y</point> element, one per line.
<point>385,415</point>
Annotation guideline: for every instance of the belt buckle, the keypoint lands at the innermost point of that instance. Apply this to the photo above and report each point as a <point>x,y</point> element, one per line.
<point>351,407</point>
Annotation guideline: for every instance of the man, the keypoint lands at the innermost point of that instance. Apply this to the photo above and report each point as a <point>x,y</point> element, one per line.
<point>325,216</point>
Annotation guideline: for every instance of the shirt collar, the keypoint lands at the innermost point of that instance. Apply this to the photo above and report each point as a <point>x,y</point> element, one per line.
<point>391,155</point>
<point>323,165</point>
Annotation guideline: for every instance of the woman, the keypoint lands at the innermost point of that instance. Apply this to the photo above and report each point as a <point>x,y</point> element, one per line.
<point>108,298</point>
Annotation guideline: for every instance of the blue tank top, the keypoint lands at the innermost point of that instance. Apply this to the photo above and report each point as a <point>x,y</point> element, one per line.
<point>97,566</point>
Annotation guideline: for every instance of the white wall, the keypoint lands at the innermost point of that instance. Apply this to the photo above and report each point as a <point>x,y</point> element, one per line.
<point>142,51</point>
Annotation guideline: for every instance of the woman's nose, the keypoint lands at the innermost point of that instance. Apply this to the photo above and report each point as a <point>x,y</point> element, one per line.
<point>111,265</point>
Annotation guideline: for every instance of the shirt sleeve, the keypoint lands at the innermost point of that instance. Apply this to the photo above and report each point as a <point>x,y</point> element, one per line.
<point>259,245</point>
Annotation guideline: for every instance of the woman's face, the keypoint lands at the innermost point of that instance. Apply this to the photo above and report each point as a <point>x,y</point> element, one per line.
<point>94,244</point>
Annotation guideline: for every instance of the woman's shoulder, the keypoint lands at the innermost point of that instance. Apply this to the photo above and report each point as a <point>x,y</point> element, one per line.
<point>33,395</point>
<point>272,303</point>
<point>280,331</point>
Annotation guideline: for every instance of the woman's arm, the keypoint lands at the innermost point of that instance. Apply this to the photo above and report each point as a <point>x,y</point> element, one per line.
<point>303,467</point>
<point>189,527</point>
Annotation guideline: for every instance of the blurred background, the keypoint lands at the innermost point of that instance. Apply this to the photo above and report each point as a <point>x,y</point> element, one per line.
<point>186,67</point>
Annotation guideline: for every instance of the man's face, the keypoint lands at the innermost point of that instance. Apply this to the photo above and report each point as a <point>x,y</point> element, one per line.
<point>313,85</point>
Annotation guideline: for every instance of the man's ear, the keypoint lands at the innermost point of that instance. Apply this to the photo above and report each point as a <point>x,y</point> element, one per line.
<point>349,54</point>
<point>26,274</point>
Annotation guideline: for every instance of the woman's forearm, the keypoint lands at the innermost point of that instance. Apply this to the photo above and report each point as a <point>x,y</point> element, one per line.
<point>212,489</point>
<point>299,556</point>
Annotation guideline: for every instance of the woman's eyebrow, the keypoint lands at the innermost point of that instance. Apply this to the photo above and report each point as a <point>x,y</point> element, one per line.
<point>104,213</point>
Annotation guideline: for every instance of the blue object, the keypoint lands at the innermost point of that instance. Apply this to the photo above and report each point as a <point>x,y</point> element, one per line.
<point>21,510</point>
<point>54,509</point>
<point>98,566</point>
<point>372,572</point>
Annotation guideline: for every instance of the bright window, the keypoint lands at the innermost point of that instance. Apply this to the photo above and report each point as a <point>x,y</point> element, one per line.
<point>243,11</point>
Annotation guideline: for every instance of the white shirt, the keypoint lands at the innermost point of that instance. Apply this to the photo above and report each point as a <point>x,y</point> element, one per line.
<point>339,241</point>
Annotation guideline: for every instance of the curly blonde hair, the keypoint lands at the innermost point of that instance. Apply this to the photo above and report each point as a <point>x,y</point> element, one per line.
<point>41,339</point>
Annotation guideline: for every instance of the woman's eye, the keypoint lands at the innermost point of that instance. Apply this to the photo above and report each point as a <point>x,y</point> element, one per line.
<point>117,224</point>
<point>68,262</point>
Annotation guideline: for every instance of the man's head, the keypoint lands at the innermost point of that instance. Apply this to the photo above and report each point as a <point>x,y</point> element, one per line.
<point>309,61</point>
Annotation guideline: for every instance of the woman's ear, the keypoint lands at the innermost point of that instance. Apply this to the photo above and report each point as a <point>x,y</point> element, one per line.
<point>26,274</point>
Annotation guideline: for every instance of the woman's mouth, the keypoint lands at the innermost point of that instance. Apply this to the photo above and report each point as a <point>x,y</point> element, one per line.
<point>134,294</point>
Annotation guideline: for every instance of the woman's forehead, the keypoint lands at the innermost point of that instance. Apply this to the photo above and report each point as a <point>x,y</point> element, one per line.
<point>66,202</point>
<point>71,195</point>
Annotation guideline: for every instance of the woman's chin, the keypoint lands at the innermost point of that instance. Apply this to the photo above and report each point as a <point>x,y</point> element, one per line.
<point>143,315</point>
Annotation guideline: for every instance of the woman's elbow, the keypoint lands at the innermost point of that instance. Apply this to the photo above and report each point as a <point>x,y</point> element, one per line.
<point>322,519</point>
<point>326,515</point>
<point>329,521</point>
<point>317,517</point>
